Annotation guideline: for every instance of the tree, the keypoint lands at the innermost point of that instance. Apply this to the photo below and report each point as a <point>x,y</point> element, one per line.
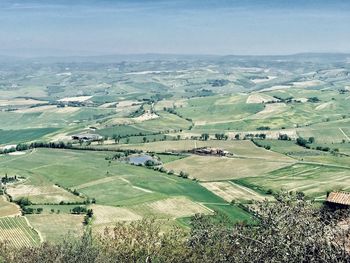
<point>220,136</point>
<point>311,139</point>
<point>204,137</point>
<point>144,139</point>
<point>302,142</point>
<point>284,137</point>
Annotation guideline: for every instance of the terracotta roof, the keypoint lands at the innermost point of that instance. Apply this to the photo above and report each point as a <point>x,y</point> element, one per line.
<point>342,198</point>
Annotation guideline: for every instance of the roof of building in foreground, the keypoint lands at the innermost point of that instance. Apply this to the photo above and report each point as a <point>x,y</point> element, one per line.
<point>342,198</point>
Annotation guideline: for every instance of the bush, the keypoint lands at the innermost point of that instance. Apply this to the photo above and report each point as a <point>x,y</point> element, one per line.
<point>302,142</point>
<point>291,229</point>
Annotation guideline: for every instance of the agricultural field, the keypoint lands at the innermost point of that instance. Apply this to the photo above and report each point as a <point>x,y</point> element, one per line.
<point>18,232</point>
<point>206,168</point>
<point>54,227</point>
<point>249,111</point>
<point>7,208</point>
<point>230,191</point>
<point>313,180</point>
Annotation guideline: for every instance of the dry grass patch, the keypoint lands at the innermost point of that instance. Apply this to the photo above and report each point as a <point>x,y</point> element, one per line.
<point>208,168</point>
<point>177,207</point>
<point>107,215</point>
<point>7,208</point>
<point>53,227</point>
<point>49,109</point>
<point>146,116</point>
<point>270,111</point>
<point>230,191</point>
<point>20,102</point>
<point>42,194</point>
<point>73,99</point>
<point>307,83</point>
<point>260,98</point>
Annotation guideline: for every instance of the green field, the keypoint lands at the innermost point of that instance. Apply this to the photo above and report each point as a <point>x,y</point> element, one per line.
<point>23,135</point>
<point>311,179</point>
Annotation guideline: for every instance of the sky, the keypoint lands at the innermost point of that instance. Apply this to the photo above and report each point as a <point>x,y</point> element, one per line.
<point>221,27</point>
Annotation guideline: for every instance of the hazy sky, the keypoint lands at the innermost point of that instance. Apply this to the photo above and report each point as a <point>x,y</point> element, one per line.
<point>91,27</point>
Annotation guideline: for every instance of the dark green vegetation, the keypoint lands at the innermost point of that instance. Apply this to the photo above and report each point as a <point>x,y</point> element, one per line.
<point>289,230</point>
<point>23,135</point>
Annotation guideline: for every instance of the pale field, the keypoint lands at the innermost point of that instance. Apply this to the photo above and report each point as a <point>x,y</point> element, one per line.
<point>60,137</point>
<point>37,109</point>
<point>239,148</point>
<point>20,102</point>
<point>7,208</point>
<point>208,168</point>
<point>230,191</point>
<point>327,105</point>
<point>109,215</point>
<point>257,81</point>
<point>277,87</point>
<point>54,227</point>
<point>260,98</point>
<point>127,103</point>
<point>164,103</point>
<point>41,194</point>
<point>146,116</point>
<point>270,111</point>
<point>49,108</point>
<point>17,153</point>
<point>174,207</point>
<point>308,83</point>
<point>78,99</point>
<point>108,105</point>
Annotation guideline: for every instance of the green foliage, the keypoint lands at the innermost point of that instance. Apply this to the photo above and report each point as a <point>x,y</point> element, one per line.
<point>291,229</point>
<point>302,142</point>
<point>204,136</point>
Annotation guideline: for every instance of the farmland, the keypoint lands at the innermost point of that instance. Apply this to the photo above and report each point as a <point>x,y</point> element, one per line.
<point>218,134</point>
<point>17,231</point>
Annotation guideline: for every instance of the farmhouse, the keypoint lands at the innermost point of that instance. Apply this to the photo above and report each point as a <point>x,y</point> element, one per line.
<point>209,151</point>
<point>339,199</point>
<point>86,137</point>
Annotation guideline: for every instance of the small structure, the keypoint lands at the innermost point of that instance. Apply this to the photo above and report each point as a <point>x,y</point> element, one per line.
<point>338,199</point>
<point>87,137</point>
<point>209,151</point>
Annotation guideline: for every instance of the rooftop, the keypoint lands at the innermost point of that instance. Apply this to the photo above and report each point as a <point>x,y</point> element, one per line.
<point>342,198</point>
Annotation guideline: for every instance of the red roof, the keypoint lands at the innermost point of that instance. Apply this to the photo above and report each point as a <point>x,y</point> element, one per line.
<point>342,198</point>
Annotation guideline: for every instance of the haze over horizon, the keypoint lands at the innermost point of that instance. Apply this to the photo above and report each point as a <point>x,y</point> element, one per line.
<point>253,27</point>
